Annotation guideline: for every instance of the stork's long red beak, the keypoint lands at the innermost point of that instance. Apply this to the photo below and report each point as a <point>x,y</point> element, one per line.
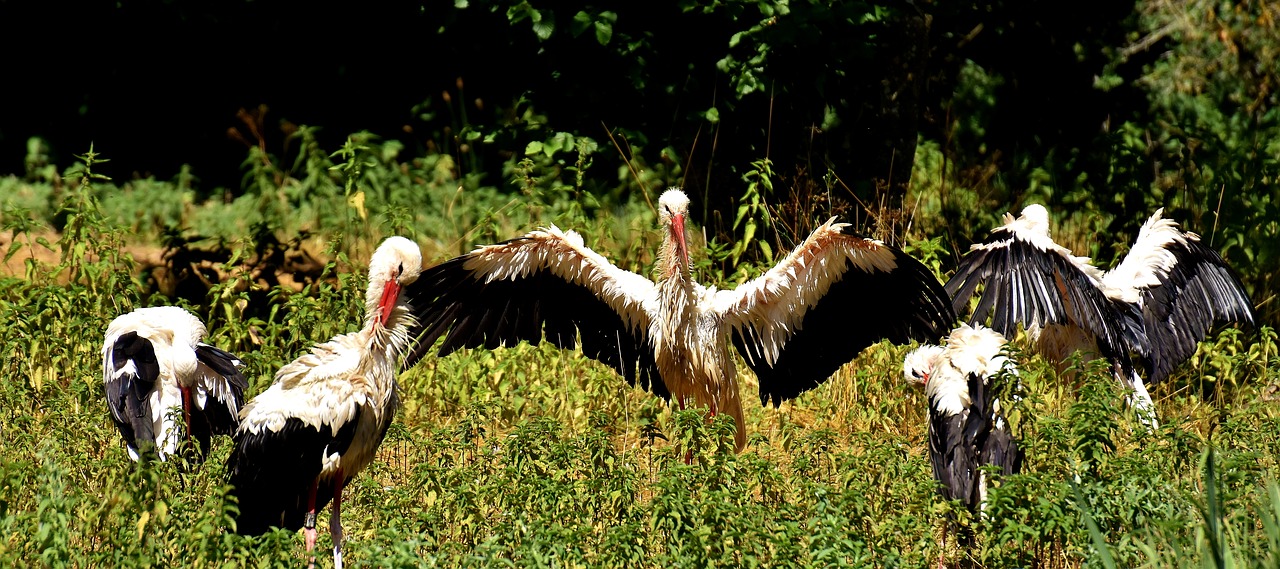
<point>390,296</point>
<point>682,250</point>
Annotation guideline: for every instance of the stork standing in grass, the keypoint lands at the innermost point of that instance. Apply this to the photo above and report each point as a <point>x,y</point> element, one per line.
<point>833,296</point>
<point>1164,297</point>
<point>967,430</point>
<point>322,420</point>
<point>155,367</point>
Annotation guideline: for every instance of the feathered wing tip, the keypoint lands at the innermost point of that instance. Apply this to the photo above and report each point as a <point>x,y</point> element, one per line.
<point>217,397</point>
<point>1197,293</point>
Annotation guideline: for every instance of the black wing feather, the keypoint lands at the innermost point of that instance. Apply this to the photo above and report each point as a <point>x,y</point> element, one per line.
<point>1199,294</point>
<point>271,472</point>
<point>217,418</point>
<point>128,394</point>
<point>451,301</point>
<point>1017,275</point>
<point>907,303</point>
<point>955,464</point>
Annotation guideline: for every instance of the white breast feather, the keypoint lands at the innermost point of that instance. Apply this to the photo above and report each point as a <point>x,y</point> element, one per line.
<point>948,389</point>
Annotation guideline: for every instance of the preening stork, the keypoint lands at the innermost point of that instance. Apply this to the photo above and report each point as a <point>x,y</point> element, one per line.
<point>321,421</point>
<point>834,295</point>
<point>967,429</point>
<point>155,368</point>
<point>1163,297</point>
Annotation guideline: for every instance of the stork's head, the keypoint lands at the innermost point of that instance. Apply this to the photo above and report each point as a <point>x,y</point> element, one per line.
<point>673,208</point>
<point>1035,218</point>
<point>396,264</point>
<point>919,363</point>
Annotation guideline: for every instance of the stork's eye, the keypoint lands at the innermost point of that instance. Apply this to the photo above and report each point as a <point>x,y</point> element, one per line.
<point>917,373</point>
<point>400,269</point>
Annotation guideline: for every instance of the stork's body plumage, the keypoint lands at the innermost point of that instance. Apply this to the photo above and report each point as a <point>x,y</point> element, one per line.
<point>967,430</point>
<point>321,421</point>
<point>164,385</point>
<point>795,325</point>
<point>1163,298</point>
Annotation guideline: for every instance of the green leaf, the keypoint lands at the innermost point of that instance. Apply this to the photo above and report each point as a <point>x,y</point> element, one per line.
<point>519,12</point>
<point>544,26</point>
<point>581,21</point>
<point>534,147</point>
<point>604,32</point>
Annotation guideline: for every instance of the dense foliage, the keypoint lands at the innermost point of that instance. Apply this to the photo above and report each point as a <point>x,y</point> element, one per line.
<point>920,122</point>
<point>531,456</point>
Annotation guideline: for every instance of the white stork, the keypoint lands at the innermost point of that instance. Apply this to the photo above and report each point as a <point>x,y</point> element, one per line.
<point>155,367</point>
<point>967,430</point>
<point>1162,299</point>
<point>834,295</point>
<point>321,421</point>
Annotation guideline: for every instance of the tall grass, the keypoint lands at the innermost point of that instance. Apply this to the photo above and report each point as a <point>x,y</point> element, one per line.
<point>532,456</point>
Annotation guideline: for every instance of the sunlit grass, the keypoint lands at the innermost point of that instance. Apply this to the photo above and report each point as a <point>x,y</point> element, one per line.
<point>534,456</point>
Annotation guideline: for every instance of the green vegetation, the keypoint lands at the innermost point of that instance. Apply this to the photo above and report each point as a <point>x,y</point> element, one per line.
<point>530,456</point>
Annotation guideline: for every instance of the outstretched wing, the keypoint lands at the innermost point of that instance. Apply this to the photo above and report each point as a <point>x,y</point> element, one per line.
<point>129,374</point>
<point>1185,290</point>
<point>1032,281</point>
<point>833,296</point>
<point>545,284</point>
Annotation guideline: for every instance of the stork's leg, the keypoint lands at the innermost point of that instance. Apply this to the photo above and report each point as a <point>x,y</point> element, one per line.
<point>1140,401</point>
<point>309,523</point>
<point>186,413</point>
<point>942,553</point>
<point>335,520</point>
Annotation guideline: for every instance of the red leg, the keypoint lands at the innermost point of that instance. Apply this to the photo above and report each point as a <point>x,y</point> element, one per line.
<point>309,522</point>
<point>186,412</point>
<point>335,520</point>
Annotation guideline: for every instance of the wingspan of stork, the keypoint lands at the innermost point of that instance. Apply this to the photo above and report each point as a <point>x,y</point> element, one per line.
<point>155,368</point>
<point>830,298</point>
<point>1169,291</point>
<point>321,421</point>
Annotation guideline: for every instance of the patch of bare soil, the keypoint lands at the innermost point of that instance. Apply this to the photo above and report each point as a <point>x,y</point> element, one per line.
<point>188,268</point>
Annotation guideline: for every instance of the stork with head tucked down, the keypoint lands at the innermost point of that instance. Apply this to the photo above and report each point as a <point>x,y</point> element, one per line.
<point>1162,299</point>
<point>155,367</point>
<point>834,295</point>
<point>321,421</point>
<point>967,430</point>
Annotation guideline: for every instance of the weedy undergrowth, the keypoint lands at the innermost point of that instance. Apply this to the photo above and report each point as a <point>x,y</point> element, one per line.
<point>534,456</point>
